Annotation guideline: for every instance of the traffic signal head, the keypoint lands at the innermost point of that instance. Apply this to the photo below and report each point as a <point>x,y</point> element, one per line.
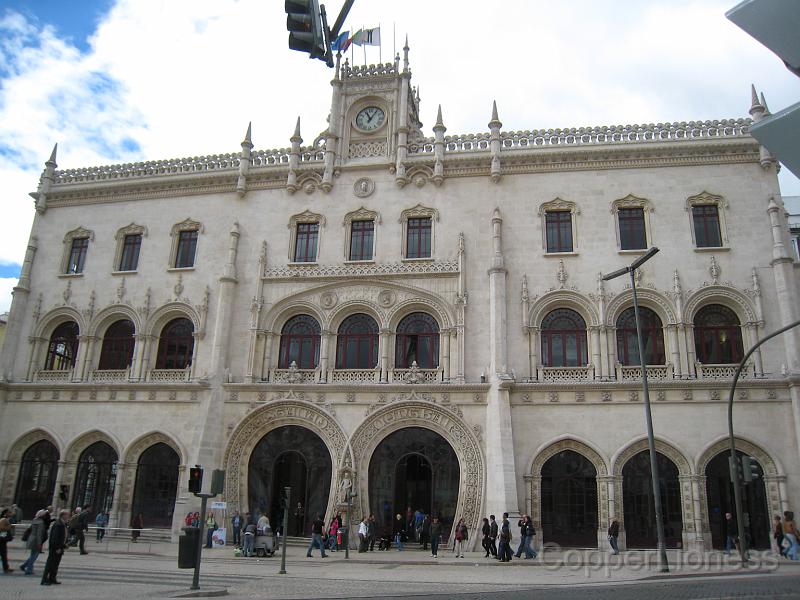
<point>306,31</point>
<point>195,479</point>
<point>750,469</point>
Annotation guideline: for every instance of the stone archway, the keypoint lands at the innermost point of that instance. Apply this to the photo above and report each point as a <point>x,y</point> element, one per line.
<point>774,480</point>
<point>447,422</point>
<point>535,480</point>
<point>261,421</point>
<point>686,480</point>
<point>14,460</point>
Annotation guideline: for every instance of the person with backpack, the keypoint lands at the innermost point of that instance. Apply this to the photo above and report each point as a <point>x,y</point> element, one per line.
<point>34,538</point>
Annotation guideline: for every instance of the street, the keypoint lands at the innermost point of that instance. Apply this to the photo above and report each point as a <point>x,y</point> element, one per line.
<point>389,575</point>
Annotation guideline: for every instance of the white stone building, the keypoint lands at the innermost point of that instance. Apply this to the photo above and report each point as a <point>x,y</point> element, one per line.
<point>422,316</point>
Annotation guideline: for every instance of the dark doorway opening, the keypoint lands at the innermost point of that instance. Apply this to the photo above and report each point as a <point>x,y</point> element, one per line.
<point>426,477</point>
<point>96,477</point>
<point>569,500</point>
<point>639,506</point>
<point>37,478</point>
<point>156,485</point>
<point>719,493</point>
<point>295,457</point>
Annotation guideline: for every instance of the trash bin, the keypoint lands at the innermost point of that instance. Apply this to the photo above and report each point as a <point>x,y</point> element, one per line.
<point>187,548</point>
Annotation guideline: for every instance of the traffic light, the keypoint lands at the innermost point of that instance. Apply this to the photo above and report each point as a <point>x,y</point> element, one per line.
<point>735,465</point>
<point>195,479</point>
<point>306,29</point>
<point>750,469</point>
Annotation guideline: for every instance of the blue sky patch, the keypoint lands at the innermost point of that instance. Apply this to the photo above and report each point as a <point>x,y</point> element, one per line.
<point>9,270</point>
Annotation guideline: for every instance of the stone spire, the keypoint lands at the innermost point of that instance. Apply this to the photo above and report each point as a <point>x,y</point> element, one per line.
<point>756,108</point>
<point>494,128</point>
<point>405,56</point>
<point>46,180</point>
<point>294,159</point>
<point>764,104</point>
<point>759,110</point>
<point>244,161</point>
<point>438,148</point>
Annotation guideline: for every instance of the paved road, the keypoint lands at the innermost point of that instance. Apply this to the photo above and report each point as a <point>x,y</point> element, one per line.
<point>388,576</point>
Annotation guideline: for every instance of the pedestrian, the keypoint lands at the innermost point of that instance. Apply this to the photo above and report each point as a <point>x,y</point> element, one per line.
<point>419,517</point>
<point>399,531</point>
<point>211,527</point>
<point>137,524</point>
<point>371,533</point>
<point>78,525</point>
<point>613,534</point>
<point>461,537</point>
<point>362,535</point>
<point>333,534</point>
<point>36,538</point>
<point>236,528</point>
<point>436,536</point>
<point>777,533</point>
<point>101,522</point>
<point>493,536</point>
<point>249,535</point>
<point>505,540</point>
<point>56,547</point>
<point>730,532</point>
<point>409,526</point>
<point>425,531</point>
<point>790,533</point>
<point>48,517</point>
<point>196,519</point>
<point>15,514</point>
<point>6,535</point>
<point>486,542</point>
<point>299,515</point>
<point>316,537</point>
<point>189,519</point>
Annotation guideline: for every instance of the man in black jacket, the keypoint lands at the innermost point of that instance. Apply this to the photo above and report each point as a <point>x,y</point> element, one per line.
<point>56,547</point>
<point>505,540</point>
<point>493,535</point>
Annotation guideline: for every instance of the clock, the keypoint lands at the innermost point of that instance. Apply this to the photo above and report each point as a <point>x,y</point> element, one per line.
<point>370,118</point>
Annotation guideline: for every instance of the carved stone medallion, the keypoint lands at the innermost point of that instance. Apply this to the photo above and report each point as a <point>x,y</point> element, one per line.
<point>363,187</point>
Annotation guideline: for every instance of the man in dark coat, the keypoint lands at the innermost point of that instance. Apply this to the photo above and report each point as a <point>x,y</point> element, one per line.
<point>505,540</point>
<point>493,535</point>
<point>56,547</point>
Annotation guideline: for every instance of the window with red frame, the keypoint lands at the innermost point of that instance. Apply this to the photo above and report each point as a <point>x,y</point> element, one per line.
<point>305,244</point>
<point>62,351</point>
<point>300,339</point>
<point>558,229</point>
<point>564,339</point>
<point>417,340</point>
<point>117,349</point>
<point>632,234</point>
<point>418,238</point>
<point>717,335</point>
<point>361,238</point>
<point>652,338</point>
<point>357,343</point>
<point>175,345</point>
<point>706,226</point>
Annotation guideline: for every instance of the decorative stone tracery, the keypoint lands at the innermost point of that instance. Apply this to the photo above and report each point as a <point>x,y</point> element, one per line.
<point>14,460</point>
<point>445,422</point>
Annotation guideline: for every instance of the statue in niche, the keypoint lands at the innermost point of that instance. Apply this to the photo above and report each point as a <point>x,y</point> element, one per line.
<point>344,487</point>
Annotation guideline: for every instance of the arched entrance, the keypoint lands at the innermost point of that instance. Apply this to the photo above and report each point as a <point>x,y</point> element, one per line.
<point>95,479</point>
<point>37,478</point>
<point>156,485</point>
<point>719,494</point>
<point>290,456</point>
<point>413,467</point>
<point>639,506</point>
<point>569,500</point>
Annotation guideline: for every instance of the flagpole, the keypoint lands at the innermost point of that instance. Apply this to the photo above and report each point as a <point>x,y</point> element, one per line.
<point>380,46</point>
<point>364,46</point>
<point>394,41</point>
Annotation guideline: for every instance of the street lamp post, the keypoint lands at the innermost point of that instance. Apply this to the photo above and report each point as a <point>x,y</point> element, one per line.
<point>651,443</point>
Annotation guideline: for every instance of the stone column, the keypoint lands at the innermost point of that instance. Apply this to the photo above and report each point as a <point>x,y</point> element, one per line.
<point>324,352</point>
<point>113,517</point>
<point>33,359</point>
<point>383,343</point>
<point>594,332</point>
<point>269,343</point>
<point>148,341</point>
<point>19,304</point>
<point>533,350</point>
<point>611,337</point>
<point>691,357</point>
<point>700,528</point>
<point>445,337</point>
<point>54,499</point>
<point>89,362</point>
<point>674,349</point>
<point>79,368</point>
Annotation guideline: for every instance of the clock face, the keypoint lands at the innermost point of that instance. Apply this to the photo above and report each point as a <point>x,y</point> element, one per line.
<point>370,118</point>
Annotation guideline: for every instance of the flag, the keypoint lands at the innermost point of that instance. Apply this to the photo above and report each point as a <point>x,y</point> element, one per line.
<point>342,42</point>
<point>368,37</point>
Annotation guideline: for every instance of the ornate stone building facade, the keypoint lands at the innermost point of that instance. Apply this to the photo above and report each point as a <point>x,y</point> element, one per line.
<point>420,318</point>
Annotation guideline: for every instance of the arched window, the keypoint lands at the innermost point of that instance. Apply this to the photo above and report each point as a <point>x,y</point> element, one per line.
<point>37,478</point>
<point>564,339</point>
<point>62,351</point>
<point>156,485</point>
<point>652,338</point>
<point>417,340</point>
<point>96,477</point>
<point>176,344</point>
<point>717,335</point>
<point>357,343</point>
<point>117,349</point>
<point>300,343</point>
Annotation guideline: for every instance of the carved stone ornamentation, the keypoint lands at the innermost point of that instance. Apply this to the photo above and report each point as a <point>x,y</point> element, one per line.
<point>363,187</point>
<point>387,298</point>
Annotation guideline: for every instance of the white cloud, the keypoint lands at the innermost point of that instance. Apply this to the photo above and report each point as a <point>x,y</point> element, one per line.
<point>183,78</point>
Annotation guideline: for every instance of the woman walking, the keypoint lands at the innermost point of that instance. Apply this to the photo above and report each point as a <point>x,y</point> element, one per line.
<point>461,538</point>
<point>777,533</point>
<point>613,534</point>
<point>137,524</point>
<point>333,532</point>
<point>6,536</point>
<point>486,542</point>
<point>790,533</point>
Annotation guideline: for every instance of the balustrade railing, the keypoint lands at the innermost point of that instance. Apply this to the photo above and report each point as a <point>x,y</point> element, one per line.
<point>415,375</point>
<point>727,371</point>
<point>354,376</point>
<point>54,375</point>
<point>168,375</point>
<point>110,375</point>
<point>631,373</point>
<point>556,374</point>
<point>294,375</point>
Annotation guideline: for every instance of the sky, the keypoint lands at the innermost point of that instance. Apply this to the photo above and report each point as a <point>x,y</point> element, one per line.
<point>115,81</point>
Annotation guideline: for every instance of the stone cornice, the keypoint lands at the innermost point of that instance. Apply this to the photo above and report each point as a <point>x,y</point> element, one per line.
<point>300,272</point>
<point>377,388</point>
